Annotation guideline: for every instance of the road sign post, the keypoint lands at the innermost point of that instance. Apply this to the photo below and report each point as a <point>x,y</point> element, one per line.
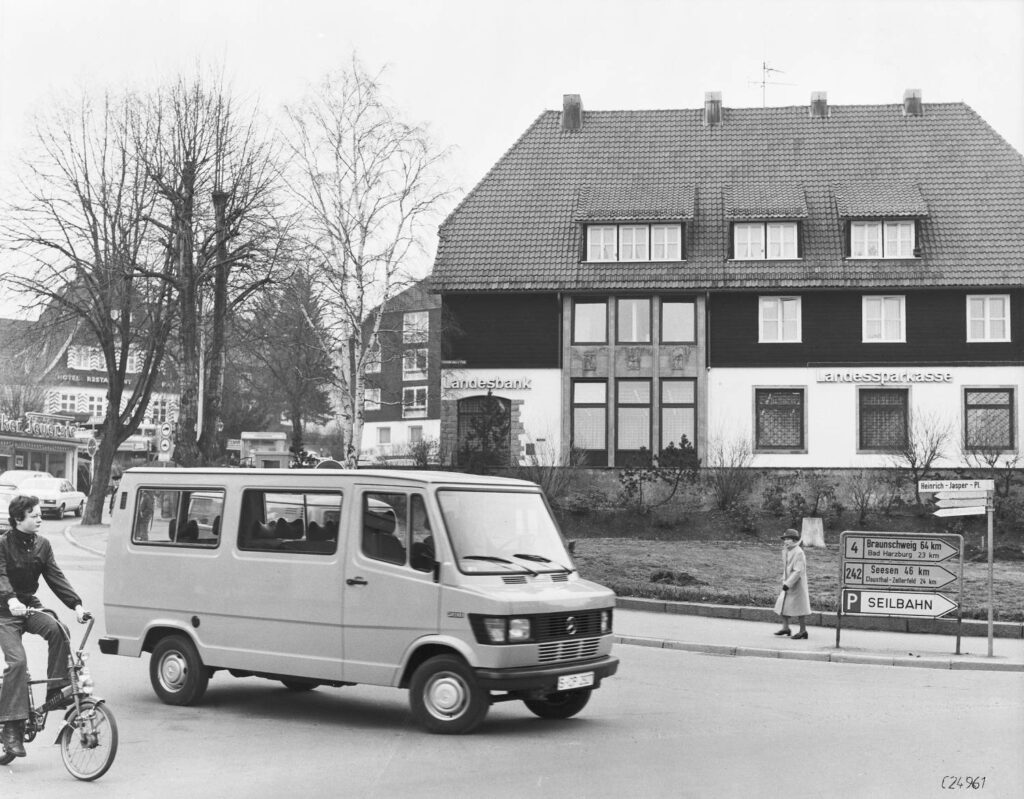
<point>898,574</point>
<point>968,498</point>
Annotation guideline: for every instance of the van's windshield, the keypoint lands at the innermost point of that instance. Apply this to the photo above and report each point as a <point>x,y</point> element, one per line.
<point>497,532</point>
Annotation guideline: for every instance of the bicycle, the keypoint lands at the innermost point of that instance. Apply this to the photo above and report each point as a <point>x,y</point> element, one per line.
<point>88,735</point>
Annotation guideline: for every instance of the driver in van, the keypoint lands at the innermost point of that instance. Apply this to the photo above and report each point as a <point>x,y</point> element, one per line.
<point>25,556</point>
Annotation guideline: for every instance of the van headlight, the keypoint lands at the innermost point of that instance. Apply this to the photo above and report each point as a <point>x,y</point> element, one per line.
<point>501,629</point>
<point>606,621</point>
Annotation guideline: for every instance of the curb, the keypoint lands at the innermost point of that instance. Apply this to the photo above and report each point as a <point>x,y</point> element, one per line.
<point>76,543</point>
<point>947,664</point>
<point>968,627</point>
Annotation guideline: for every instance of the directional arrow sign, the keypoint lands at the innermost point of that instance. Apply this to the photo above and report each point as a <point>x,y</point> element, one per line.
<point>961,495</point>
<point>896,575</point>
<point>960,503</point>
<point>895,603</point>
<point>976,511</point>
<point>879,546</point>
<point>931,486</point>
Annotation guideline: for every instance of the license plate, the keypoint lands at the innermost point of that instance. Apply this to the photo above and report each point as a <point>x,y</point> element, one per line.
<point>570,681</point>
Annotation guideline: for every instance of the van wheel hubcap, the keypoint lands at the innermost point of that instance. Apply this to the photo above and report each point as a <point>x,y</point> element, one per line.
<point>173,671</point>
<point>446,696</point>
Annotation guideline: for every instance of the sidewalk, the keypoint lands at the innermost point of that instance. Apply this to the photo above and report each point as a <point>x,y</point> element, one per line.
<point>646,623</point>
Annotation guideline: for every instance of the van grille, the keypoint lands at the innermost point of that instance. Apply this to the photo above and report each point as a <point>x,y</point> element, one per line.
<point>568,650</point>
<point>520,579</point>
<point>559,626</point>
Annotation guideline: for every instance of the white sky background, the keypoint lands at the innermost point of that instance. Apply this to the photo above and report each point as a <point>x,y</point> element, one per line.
<point>478,73</point>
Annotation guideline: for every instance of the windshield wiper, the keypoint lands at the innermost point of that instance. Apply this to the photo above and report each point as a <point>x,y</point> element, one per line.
<point>541,559</point>
<point>496,559</point>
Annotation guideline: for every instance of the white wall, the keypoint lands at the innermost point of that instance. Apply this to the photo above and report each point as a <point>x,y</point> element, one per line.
<point>540,391</point>
<point>831,410</point>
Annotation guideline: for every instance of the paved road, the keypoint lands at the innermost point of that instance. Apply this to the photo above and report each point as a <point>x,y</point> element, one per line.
<point>671,724</point>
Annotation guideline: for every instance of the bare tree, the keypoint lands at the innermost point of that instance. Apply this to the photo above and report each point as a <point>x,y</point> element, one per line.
<point>81,231</point>
<point>367,184</point>
<point>727,469</point>
<point>282,337</point>
<point>925,443</point>
<point>223,231</point>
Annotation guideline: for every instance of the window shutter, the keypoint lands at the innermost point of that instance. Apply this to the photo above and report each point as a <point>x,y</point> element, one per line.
<point>846,233</point>
<point>799,239</point>
<point>682,240</point>
<point>732,240</point>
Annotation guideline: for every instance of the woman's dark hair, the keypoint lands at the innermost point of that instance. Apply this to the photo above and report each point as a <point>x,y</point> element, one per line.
<point>19,508</point>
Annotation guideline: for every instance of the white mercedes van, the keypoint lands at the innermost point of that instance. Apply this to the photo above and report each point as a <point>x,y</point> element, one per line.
<point>457,587</point>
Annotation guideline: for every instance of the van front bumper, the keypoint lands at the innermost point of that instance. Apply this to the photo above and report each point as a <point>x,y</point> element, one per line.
<point>544,678</point>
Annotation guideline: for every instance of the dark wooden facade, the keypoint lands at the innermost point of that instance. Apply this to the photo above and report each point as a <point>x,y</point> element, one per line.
<point>513,331</point>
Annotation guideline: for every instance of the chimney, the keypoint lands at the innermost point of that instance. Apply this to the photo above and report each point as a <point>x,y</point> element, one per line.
<point>912,105</point>
<point>572,113</point>
<point>819,105</point>
<point>712,108</point>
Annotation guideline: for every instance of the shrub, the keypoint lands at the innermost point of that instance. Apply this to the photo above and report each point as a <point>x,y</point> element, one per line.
<point>728,475</point>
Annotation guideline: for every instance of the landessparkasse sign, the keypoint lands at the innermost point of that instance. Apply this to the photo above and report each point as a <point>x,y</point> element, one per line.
<point>884,376</point>
<point>37,425</point>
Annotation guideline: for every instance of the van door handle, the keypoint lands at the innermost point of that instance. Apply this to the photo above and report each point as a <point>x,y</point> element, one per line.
<point>356,581</point>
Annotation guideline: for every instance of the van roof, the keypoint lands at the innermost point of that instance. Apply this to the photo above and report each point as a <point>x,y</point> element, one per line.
<point>413,475</point>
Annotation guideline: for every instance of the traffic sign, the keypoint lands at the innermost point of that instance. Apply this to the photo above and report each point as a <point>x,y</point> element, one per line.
<point>896,603</point>
<point>962,495</point>
<point>978,510</point>
<point>165,429</point>
<point>900,548</point>
<point>970,502</point>
<point>931,486</point>
<point>896,575</point>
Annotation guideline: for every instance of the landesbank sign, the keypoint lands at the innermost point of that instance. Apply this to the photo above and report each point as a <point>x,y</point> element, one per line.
<point>883,376</point>
<point>485,383</point>
<point>33,427</point>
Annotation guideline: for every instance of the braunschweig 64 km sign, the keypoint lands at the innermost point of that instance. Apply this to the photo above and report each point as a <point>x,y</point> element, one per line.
<point>879,546</point>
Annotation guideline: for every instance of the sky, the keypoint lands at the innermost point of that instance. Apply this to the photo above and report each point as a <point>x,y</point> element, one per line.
<point>477,73</point>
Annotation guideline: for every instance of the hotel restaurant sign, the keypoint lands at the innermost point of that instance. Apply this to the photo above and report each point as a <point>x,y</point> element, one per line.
<point>37,425</point>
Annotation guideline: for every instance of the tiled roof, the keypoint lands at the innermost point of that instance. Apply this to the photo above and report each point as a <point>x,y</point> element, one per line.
<point>519,229</point>
<point>642,200</point>
<point>764,201</point>
<point>879,199</point>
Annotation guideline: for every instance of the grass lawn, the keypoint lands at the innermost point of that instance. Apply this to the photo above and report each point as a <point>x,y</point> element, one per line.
<point>749,572</point>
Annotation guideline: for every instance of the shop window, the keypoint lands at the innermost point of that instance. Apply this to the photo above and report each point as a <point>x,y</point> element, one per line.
<point>589,420</point>
<point>883,414</point>
<point>780,420</point>
<point>633,421</point>
<point>634,321</point>
<point>484,431</point>
<point>590,322</point>
<point>678,412</point>
<point>989,419</point>
<point>678,321</point>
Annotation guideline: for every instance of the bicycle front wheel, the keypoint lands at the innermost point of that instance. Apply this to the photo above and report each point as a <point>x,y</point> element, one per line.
<point>88,742</point>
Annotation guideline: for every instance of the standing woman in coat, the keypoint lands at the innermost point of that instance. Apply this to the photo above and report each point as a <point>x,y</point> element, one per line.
<point>794,599</point>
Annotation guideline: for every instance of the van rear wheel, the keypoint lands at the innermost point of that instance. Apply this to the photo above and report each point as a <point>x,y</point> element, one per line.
<point>563,705</point>
<point>177,672</point>
<point>445,696</point>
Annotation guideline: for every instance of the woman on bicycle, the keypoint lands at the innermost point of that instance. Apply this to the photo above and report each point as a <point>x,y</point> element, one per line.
<point>26,556</point>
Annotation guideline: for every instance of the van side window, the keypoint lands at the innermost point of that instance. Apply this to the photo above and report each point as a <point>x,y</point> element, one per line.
<point>178,517</point>
<point>421,550</point>
<point>290,521</point>
<point>385,525</point>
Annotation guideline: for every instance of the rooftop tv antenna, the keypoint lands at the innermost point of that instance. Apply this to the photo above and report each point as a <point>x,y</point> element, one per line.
<point>766,73</point>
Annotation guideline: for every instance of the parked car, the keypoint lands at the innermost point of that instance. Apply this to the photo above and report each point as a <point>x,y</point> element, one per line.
<point>56,496</point>
<point>7,493</point>
<point>16,477</point>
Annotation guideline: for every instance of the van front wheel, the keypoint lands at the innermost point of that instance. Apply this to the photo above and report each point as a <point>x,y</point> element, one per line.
<point>176,671</point>
<point>445,697</point>
<point>563,705</point>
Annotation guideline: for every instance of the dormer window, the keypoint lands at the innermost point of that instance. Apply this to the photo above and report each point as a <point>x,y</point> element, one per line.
<point>882,239</point>
<point>759,241</point>
<point>661,242</point>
